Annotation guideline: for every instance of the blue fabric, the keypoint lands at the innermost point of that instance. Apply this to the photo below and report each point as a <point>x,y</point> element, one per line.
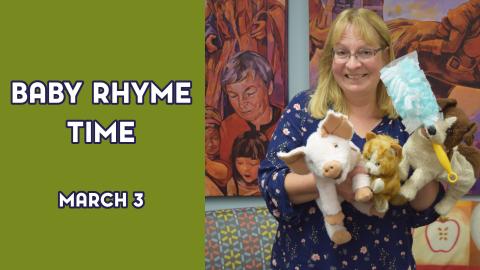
<point>301,241</point>
<point>410,92</point>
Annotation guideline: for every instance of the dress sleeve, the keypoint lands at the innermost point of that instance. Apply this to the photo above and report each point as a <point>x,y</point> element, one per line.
<point>288,135</point>
<point>427,216</point>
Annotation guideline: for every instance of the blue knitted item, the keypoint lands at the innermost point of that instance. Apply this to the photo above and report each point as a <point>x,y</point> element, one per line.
<point>410,92</point>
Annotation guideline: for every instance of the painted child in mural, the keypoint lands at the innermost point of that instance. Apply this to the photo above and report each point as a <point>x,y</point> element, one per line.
<point>216,171</point>
<point>248,82</point>
<point>240,25</point>
<point>248,149</point>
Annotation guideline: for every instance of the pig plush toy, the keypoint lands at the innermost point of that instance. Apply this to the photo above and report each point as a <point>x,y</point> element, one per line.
<point>331,157</point>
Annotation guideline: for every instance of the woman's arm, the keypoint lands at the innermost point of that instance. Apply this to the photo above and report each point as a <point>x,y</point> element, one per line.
<point>289,134</point>
<point>425,196</point>
<point>300,188</point>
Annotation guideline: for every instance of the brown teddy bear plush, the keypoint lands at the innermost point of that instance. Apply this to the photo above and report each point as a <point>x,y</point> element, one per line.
<point>455,133</point>
<point>381,155</point>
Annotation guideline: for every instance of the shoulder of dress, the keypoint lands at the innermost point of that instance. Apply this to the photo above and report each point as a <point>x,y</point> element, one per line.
<point>303,96</point>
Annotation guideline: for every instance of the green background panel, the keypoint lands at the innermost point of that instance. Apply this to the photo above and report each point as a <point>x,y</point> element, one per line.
<point>101,40</point>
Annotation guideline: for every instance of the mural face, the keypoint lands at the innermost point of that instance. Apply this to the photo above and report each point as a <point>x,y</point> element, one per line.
<point>245,91</point>
<point>249,97</point>
<point>446,35</point>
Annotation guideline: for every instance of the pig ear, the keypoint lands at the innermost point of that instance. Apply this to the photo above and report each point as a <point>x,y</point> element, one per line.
<point>329,123</point>
<point>345,130</point>
<point>295,160</point>
<point>336,124</point>
<point>469,136</point>
<point>370,135</point>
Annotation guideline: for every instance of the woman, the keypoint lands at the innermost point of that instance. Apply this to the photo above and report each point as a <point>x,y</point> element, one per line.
<point>357,47</point>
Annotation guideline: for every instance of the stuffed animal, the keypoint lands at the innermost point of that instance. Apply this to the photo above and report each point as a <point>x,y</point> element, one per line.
<point>410,92</point>
<point>454,133</point>
<point>382,154</point>
<point>331,156</point>
<point>435,134</point>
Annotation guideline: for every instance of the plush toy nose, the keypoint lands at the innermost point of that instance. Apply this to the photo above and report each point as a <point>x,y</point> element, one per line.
<point>431,130</point>
<point>332,169</point>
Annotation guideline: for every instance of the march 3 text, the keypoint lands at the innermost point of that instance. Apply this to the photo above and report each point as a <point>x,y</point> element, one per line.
<point>106,199</point>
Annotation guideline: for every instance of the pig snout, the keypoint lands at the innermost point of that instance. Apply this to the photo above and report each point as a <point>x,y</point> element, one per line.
<point>332,169</point>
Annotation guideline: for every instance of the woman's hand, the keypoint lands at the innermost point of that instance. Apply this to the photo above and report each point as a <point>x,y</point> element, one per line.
<point>426,196</point>
<point>345,189</point>
<point>301,188</point>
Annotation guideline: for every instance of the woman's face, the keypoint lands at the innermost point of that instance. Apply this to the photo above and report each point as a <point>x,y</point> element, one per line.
<point>354,75</point>
<point>247,168</point>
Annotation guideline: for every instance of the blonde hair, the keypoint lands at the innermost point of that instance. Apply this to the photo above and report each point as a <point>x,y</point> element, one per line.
<point>373,30</point>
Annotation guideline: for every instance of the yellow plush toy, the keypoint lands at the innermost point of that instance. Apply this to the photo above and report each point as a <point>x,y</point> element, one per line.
<point>382,155</point>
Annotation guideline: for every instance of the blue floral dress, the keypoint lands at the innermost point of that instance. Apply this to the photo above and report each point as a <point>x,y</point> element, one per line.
<point>302,241</point>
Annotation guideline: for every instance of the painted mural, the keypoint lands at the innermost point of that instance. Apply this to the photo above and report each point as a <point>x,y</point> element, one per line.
<point>245,90</point>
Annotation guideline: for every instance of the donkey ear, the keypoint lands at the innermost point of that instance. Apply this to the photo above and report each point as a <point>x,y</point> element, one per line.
<point>444,103</point>
<point>295,160</point>
<point>470,135</point>
<point>370,135</point>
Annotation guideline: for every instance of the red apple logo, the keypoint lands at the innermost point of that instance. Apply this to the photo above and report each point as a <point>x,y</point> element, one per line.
<point>442,236</point>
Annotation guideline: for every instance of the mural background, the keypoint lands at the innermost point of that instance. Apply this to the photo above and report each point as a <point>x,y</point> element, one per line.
<point>241,116</point>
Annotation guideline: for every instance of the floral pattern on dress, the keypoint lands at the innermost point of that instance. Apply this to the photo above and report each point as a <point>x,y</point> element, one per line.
<point>301,241</point>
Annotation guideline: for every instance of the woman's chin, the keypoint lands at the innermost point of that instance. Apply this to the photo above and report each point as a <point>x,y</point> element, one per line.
<point>356,90</point>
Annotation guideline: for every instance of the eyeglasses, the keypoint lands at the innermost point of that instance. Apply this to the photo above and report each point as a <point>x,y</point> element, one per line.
<point>343,55</point>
